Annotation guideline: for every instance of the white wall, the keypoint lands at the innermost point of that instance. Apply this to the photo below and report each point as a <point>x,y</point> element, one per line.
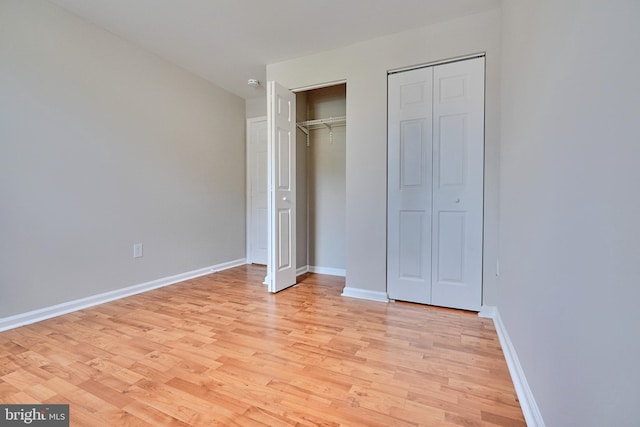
<point>364,66</point>
<point>570,205</point>
<point>256,107</point>
<point>103,145</point>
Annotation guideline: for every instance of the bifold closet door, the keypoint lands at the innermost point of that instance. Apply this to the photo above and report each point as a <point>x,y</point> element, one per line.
<point>458,184</point>
<point>281,212</point>
<point>435,200</point>
<point>410,185</point>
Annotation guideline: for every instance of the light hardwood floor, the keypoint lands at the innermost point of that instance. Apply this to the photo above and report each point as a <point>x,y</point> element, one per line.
<point>220,350</point>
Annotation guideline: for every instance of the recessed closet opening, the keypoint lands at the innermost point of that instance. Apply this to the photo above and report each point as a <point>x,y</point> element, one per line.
<point>320,175</point>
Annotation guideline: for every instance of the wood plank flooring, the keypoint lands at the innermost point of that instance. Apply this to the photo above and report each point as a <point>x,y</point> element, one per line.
<point>220,350</point>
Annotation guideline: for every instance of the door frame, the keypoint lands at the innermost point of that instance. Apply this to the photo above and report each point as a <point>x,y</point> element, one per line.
<point>256,119</point>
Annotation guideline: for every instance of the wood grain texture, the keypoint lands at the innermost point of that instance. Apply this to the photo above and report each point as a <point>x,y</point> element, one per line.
<point>220,350</point>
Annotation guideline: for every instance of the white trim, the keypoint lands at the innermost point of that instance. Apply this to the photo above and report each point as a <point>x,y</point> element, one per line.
<point>442,61</point>
<point>319,86</point>
<point>34,316</point>
<point>365,294</point>
<point>487,312</point>
<point>321,270</point>
<point>530,409</point>
<point>248,172</point>
<point>328,270</point>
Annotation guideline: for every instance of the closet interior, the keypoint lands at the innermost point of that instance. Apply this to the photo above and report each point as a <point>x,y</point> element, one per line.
<point>320,175</point>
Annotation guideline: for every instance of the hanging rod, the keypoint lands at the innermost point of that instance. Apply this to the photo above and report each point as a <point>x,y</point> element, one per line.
<point>322,123</point>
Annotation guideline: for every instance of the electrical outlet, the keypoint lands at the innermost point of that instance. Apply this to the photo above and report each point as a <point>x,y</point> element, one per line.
<point>137,250</point>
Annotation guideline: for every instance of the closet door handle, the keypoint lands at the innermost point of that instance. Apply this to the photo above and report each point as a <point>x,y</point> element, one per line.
<point>284,199</point>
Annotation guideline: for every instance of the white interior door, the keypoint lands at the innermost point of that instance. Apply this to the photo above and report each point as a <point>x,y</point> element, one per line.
<point>435,184</point>
<point>409,186</point>
<point>458,176</point>
<point>281,123</point>
<point>258,185</point>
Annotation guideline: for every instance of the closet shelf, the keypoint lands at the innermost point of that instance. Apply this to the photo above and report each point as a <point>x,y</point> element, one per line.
<point>328,123</point>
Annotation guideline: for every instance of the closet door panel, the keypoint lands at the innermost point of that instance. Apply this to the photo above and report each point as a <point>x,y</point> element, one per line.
<point>450,247</point>
<point>412,167</point>
<point>452,151</point>
<point>412,225</point>
<point>458,162</point>
<point>409,186</point>
<point>281,123</point>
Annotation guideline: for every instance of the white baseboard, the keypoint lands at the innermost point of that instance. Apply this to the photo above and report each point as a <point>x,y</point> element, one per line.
<point>365,294</point>
<point>530,409</point>
<point>487,311</point>
<point>79,304</point>
<point>321,270</point>
<point>328,270</point>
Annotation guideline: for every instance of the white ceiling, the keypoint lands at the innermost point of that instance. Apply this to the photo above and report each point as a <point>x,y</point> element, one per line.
<point>230,41</point>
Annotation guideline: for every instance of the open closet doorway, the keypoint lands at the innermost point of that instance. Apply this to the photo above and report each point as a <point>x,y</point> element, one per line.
<point>321,174</point>
<point>306,221</point>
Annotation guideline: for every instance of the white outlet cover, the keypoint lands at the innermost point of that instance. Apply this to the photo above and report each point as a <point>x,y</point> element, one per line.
<point>137,250</point>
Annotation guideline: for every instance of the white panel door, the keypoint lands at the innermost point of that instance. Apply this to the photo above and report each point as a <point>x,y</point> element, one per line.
<point>281,123</point>
<point>258,235</point>
<point>435,184</point>
<point>458,176</point>
<point>409,185</point>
